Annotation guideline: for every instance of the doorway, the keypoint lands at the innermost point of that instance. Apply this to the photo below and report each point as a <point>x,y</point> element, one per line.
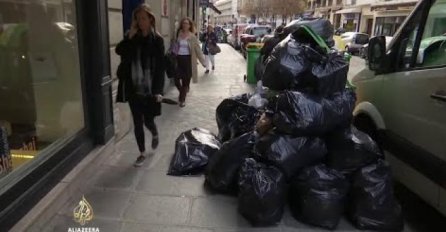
<point>369,26</point>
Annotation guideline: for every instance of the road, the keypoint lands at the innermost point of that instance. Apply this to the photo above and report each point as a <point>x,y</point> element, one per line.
<point>357,64</point>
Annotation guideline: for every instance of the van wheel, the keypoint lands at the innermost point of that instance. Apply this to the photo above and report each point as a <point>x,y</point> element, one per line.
<point>366,125</point>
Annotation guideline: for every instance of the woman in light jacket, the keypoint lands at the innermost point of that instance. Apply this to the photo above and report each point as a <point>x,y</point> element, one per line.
<point>188,51</point>
<point>141,75</point>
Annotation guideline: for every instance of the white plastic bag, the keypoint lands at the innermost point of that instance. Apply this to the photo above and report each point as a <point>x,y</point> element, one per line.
<point>256,100</point>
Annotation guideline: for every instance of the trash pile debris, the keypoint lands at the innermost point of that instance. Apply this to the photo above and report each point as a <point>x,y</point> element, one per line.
<point>294,143</point>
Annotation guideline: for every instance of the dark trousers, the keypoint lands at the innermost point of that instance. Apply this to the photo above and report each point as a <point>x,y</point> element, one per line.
<point>142,115</point>
<point>184,74</point>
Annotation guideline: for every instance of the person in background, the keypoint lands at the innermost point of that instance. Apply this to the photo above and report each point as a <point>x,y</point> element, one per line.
<point>188,52</point>
<point>209,38</point>
<point>141,75</point>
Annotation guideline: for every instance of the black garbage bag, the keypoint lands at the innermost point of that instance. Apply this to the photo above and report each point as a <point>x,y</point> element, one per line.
<point>192,151</point>
<point>224,166</point>
<point>350,149</point>
<point>303,114</point>
<point>373,205</point>
<point>330,74</point>
<point>317,196</point>
<point>242,98</point>
<point>320,26</point>
<point>287,65</point>
<point>262,193</point>
<point>235,117</point>
<point>339,108</point>
<point>291,154</point>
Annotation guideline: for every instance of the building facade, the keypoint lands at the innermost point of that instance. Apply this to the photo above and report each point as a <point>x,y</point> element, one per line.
<point>226,16</point>
<point>229,12</point>
<point>55,95</point>
<point>374,17</point>
<point>57,89</point>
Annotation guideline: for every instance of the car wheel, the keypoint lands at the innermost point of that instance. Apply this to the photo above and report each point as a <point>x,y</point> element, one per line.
<point>365,124</point>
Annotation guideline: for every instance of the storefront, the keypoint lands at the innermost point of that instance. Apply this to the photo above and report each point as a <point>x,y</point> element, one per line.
<point>388,25</point>
<point>367,20</point>
<point>350,18</point>
<point>55,95</point>
<point>390,15</point>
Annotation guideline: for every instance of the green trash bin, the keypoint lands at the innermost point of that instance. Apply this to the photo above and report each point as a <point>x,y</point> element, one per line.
<point>253,50</point>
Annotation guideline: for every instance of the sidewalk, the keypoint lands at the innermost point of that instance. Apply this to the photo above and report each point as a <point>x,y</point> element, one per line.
<point>131,199</point>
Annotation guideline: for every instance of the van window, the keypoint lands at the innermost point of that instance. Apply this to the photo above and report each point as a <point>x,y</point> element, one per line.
<point>362,39</point>
<point>408,38</point>
<point>432,51</point>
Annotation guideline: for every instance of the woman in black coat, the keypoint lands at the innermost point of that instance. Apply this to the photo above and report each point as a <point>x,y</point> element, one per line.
<point>209,39</point>
<point>141,75</point>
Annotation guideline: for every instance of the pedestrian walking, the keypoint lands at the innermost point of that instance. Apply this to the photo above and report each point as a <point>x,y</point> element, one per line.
<point>209,40</point>
<point>141,75</point>
<point>188,51</point>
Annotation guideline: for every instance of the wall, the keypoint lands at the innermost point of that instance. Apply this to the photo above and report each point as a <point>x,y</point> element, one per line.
<point>121,112</point>
<point>225,6</point>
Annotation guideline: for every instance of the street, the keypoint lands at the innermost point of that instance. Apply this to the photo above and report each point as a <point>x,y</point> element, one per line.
<point>127,199</point>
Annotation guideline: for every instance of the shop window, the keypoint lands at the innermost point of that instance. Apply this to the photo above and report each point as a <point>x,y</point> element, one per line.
<point>40,82</point>
<point>387,26</point>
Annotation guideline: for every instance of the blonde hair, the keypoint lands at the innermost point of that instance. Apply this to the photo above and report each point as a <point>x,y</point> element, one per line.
<point>191,23</point>
<point>146,8</point>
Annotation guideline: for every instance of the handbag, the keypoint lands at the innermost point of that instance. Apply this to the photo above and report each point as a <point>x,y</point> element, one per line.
<point>174,47</point>
<point>171,64</point>
<point>171,60</point>
<point>214,49</point>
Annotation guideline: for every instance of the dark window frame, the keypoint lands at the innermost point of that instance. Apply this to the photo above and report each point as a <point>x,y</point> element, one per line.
<point>19,196</point>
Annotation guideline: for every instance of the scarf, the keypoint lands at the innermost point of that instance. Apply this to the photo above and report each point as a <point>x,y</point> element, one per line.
<point>141,74</point>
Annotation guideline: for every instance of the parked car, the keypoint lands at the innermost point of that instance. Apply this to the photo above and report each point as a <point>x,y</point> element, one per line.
<point>234,37</point>
<point>365,48</point>
<point>253,33</point>
<point>402,101</point>
<point>354,41</point>
<point>264,38</point>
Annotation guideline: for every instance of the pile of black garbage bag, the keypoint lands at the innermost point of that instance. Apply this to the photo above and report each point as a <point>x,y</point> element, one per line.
<point>298,148</point>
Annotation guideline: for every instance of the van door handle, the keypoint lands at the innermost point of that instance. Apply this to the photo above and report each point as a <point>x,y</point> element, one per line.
<point>439,95</point>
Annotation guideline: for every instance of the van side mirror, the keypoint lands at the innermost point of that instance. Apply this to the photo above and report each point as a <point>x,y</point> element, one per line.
<point>377,53</point>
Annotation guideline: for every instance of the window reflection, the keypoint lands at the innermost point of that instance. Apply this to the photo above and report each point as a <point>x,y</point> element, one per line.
<point>40,87</point>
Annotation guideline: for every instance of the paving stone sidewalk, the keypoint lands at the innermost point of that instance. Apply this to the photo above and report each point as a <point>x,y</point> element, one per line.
<point>129,199</point>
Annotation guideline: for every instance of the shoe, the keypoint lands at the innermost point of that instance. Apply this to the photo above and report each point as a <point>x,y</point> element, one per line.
<point>213,67</point>
<point>182,104</point>
<point>155,142</point>
<point>140,161</point>
<point>207,71</point>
